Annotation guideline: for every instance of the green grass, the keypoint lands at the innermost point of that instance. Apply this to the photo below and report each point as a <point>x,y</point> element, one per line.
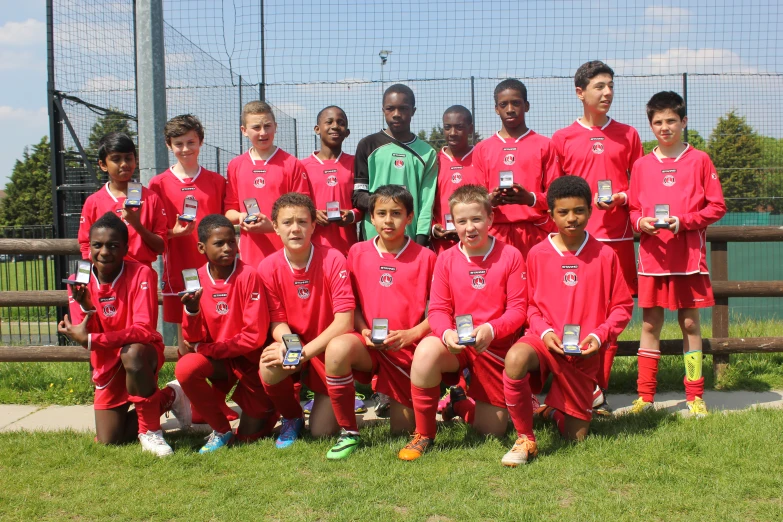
<point>655,466</point>
<point>28,275</point>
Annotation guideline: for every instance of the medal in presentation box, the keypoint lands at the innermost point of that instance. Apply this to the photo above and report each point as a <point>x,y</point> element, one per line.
<point>251,207</point>
<point>293,350</point>
<point>465,329</point>
<point>505,180</point>
<point>380,330</point>
<point>82,274</point>
<point>449,223</point>
<point>571,339</point>
<point>134,195</point>
<point>605,191</point>
<point>333,211</point>
<point>661,216</point>
<point>189,209</point>
<point>192,283</point>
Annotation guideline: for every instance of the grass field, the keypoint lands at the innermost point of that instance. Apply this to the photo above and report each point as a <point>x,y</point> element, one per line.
<point>651,467</point>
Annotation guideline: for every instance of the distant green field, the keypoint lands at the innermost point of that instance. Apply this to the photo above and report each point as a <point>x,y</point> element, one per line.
<point>28,275</point>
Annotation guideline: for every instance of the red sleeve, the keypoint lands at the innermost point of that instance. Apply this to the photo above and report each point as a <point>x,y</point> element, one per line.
<point>221,190</point>
<point>273,298</point>
<point>340,284</point>
<point>516,298</point>
<point>637,150</point>
<point>535,318</point>
<point>557,147</point>
<point>551,170</point>
<point>77,315</point>
<point>231,201</point>
<point>713,195</point>
<point>634,206</point>
<point>142,303</point>
<point>299,182</point>
<point>193,328</point>
<point>441,310</point>
<point>255,324</point>
<point>620,305</point>
<point>160,225</point>
<point>156,186</point>
<point>85,222</point>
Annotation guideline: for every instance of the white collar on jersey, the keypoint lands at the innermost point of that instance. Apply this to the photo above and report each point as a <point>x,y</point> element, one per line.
<point>587,236</point>
<point>319,160</point>
<point>109,193</point>
<point>192,180</point>
<point>608,121</point>
<point>310,260</point>
<point>443,150</point>
<point>98,283</point>
<point>249,155</point>
<point>491,248</point>
<point>225,281</point>
<point>660,160</point>
<point>501,138</point>
<point>375,244</point>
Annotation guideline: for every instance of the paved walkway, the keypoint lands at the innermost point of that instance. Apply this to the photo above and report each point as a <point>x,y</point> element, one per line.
<point>81,418</point>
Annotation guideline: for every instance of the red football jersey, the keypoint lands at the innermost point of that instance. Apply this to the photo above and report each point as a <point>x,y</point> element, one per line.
<point>153,218</point>
<point>307,299</point>
<point>233,317</point>
<point>452,174</point>
<point>491,288</point>
<point>690,186</point>
<point>584,288</point>
<point>126,312</point>
<point>531,158</point>
<point>265,181</point>
<point>601,153</point>
<point>332,180</point>
<point>209,190</point>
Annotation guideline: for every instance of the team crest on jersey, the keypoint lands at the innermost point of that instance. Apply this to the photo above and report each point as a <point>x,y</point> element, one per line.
<point>478,282</point>
<point>399,163</point>
<point>221,307</point>
<point>259,182</point>
<point>598,148</point>
<point>570,279</point>
<point>509,159</point>
<point>386,280</point>
<point>303,292</point>
<point>109,310</point>
<point>668,180</point>
<point>456,177</point>
<point>331,181</point>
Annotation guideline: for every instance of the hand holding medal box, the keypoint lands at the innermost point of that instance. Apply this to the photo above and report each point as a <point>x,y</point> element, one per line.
<point>293,350</point>
<point>82,274</point>
<point>380,331</point>
<point>571,339</point>
<point>192,283</point>
<point>189,209</point>
<point>133,200</point>
<point>251,207</point>
<point>661,216</point>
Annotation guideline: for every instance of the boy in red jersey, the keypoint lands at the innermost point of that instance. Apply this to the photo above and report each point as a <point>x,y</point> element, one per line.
<point>226,323</point>
<point>519,155</point>
<point>147,224</point>
<point>485,278</point>
<point>572,280</point>
<point>391,275</point>
<point>330,172</point>
<point>309,294</point>
<point>596,147</point>
<point>265,172</point>
<point>673,249</point>
<point>455,169</point>
<point>114,317</point>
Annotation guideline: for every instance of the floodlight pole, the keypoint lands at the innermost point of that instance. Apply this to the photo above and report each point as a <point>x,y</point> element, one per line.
<point>151,105</point>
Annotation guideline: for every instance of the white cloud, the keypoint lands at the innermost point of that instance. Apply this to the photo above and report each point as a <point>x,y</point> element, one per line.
<point>680,60</point>
<point>18,60</point>
<point>108,83</point>
<point>19,34</point>
<point>31,118</point>
<point>667,14</point>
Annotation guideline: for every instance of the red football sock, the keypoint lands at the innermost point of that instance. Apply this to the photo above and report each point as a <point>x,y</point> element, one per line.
<point>607,359</point>
<point>466,409</point>
<point>282,395</point>
<point>559,418</point>
<point>192,372</point>
<point>167,396</point>
<point>647,382</point>
<point>425,408</point>
<point>462,382</point>
<point>342,392</point>
<point>517,392</point>
<point>693,389</point>
<point>147,411</point>
<point>230,414</point>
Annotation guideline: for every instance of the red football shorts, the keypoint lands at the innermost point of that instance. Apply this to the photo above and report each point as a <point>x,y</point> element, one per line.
<point>115,393</point>
<point>249,393</point>
<point>172,309</point>
<point>393,371</point>
<point>627,257</point>
<point>575,379</point>
<point>523,235</point>
<point>486,374</point>
<point>314,375</point>
<point>676,291</point>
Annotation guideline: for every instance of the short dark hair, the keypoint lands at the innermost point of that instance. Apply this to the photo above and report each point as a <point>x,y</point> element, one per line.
<point>293,199</point>
<point>460,109</point>
<point>589,70</point>
<point>181,125</point>
<point>399,88</point>
<point>111,221</point>
<point>666,100</point>
<point>115,142</point>
<point>318,118</point>
<point>211,223</point>
<point>510,84</point>
<point>568,187</point>
<point>397,193</point>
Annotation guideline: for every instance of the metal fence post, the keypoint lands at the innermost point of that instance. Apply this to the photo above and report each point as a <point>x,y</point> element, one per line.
<point>685,97</point>
<point>240,115</point>
<point>720,312</point>
<point>473,106</point>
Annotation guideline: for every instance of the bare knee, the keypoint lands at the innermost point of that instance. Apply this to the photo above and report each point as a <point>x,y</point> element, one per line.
<point>652,320</point>
<point>520,360</point>
<point>133,359</point>
<point>690,325</point>
<point>338,353</point>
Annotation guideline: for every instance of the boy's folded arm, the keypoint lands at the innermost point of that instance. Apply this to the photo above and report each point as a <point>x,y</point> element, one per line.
<point>136,333</point>
<point>193,328</point>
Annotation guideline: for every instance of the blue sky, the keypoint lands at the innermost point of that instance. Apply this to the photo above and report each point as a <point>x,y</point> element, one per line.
<point>437,39</point>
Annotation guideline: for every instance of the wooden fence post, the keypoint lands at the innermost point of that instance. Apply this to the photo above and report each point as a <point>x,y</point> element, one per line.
<point>720,312</point>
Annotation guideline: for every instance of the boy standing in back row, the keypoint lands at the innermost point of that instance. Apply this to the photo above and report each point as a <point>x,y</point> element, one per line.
<point>395,156</point>
<point>596,147</point>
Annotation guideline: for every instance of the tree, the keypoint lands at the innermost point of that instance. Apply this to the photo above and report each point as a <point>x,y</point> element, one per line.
<point>436,138</point>
<point>735,149</point>
<point>694,138</point>
<point>109,122</point>
<point>28,194</point>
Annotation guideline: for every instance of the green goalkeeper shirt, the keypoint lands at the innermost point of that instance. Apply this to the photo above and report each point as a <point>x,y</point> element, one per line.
<point>383,160</point>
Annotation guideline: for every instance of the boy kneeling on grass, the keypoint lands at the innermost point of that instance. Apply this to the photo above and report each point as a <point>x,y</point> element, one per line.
<point>577,301</point>
<point>114,317</point>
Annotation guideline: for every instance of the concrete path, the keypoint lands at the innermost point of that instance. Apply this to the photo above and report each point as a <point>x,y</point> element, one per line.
<point>81,418</point>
